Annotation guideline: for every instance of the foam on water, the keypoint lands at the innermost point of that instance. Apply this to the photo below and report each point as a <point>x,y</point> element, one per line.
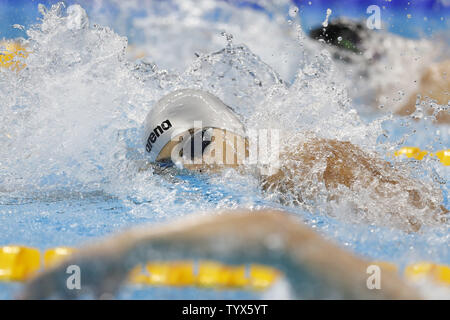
<point>72,124</point>
<point>197,25</point>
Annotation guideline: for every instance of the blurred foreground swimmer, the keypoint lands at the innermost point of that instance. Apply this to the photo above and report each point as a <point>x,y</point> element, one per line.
<point>314,267</point>
<point>194,129</point>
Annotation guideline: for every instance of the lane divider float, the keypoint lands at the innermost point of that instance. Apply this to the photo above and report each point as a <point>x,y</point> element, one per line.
<point>12,55</point>
<point>425,270</point>
<point>20,263</point>
<point>418,154</point>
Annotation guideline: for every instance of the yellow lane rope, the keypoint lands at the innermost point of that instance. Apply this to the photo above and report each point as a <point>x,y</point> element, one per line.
<point>12,55</point>
<point>19,263</point>
<point>422,270</point>
<point>418,154</point>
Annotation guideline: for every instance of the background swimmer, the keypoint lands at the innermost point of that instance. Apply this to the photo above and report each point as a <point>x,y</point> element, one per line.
<point>220,141</point>
<point>417,75</point>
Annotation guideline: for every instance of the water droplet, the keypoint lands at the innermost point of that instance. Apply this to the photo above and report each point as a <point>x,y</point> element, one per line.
<point>293,10</point>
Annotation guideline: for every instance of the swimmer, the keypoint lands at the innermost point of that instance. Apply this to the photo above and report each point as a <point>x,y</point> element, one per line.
<point>195,130</point>
<point>313,266</point>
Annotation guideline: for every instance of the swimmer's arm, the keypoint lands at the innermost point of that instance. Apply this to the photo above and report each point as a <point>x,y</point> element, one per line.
<point>339,164</point>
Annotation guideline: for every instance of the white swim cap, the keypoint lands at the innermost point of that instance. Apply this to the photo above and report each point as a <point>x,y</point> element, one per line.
<point>177,112</point>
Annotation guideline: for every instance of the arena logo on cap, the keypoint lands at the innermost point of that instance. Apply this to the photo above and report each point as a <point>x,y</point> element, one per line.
<point>156,132</point>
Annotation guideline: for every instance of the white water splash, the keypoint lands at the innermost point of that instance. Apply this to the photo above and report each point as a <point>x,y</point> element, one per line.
<point>325,22</point>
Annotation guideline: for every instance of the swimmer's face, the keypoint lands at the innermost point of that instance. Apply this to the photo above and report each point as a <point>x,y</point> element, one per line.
<point>208,149</point>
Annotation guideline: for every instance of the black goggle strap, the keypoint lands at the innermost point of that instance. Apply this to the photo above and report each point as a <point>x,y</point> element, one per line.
<point>205,137</point>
